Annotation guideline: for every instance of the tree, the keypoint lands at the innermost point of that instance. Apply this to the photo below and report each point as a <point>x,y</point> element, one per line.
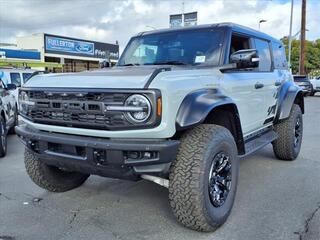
<point>312,60</point>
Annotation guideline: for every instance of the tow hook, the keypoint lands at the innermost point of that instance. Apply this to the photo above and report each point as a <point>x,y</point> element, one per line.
<point>158,180</point>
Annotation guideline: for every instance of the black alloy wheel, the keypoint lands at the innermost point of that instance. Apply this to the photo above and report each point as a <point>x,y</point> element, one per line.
<point>220,177</point>
<point>297,132</point>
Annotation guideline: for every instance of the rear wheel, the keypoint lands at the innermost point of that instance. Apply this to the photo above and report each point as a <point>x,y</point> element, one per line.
<point>204,177</point>
<point>3,137</point>
<point>290,131</point>
<point>49,177</point>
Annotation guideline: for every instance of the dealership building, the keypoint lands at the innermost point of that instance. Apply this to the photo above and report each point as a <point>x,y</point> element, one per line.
<point>65,54</point>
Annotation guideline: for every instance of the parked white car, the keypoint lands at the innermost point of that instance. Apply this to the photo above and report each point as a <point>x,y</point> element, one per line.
<point>16,76</point>
<point>316,85</point>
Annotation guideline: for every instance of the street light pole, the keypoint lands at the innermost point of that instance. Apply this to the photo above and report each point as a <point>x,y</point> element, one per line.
<point>290,37</point>
<point>261,21</point>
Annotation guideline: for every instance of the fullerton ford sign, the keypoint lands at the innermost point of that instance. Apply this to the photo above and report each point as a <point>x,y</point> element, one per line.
<point>77,47</point>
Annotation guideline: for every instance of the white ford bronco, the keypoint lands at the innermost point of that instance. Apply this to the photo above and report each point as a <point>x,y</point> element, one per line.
<point>181,108</point>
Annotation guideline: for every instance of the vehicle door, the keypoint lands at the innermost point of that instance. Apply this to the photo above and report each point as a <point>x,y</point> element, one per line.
<point>243,86</point>
<point>6,101</point>
<point>318,83</point>
<point>16,79</point>
<point>269,78</point>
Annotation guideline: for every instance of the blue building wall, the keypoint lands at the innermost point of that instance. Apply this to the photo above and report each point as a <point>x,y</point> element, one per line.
<point>32,55</point>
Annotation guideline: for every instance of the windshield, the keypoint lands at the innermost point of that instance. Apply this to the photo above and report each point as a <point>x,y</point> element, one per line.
<point>26,76</point>
<point>300,79</point>
<point>194,47</point>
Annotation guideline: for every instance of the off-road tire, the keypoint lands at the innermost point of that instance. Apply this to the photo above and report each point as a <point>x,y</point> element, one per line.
<point>188,185</point>
<point>3,137</point>
<point>283,146</point>
<point>49,177</point>
<point>312,93</point>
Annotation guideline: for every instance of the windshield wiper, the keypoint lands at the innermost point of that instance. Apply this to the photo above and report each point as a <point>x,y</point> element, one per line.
<point>130,64</point>
<point>173,62</point>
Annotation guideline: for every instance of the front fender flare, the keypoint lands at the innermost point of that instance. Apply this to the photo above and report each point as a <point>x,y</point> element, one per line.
<point>196,106</point>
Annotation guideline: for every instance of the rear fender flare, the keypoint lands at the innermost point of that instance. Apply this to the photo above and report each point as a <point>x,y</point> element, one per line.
<point>287,95</point>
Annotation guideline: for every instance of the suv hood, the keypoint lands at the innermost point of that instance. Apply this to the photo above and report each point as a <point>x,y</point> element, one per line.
<point>117,77</point>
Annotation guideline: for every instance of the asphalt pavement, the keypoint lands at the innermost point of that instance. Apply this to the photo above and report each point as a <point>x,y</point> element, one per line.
<point>275,200</point>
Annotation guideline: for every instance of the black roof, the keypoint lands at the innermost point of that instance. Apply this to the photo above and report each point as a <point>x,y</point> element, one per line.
<point>235,27</point>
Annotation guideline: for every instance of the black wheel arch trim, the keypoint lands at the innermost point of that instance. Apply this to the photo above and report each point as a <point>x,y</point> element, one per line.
<point>288,94</point>
<point>197,106</point>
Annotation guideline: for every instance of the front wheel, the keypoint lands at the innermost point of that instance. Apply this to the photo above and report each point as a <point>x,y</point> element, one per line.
<point>3,137</point>
<point>49,177</point>
<point>288,144</point>
<point>204,178</point>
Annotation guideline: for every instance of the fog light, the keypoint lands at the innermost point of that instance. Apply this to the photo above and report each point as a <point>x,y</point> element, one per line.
<point>134,154</point>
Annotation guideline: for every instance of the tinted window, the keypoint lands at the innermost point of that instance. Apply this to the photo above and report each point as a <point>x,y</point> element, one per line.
<point>185,47</point>
<point>300,78</point>
<point>239,43</point>
<point>279,57</point>
<point>264,55</point>
<point>15,79</point>
<point>25,76</point>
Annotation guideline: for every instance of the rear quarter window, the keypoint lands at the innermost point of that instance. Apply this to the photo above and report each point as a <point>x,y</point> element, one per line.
<point>264,55</point>
<point>279,56</point>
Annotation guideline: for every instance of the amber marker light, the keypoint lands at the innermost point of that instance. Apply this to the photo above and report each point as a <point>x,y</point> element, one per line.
<point>159,107</point>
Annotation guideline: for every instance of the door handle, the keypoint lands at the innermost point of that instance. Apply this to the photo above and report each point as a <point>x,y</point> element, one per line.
<point>278,83</point>
<point>258,85</point>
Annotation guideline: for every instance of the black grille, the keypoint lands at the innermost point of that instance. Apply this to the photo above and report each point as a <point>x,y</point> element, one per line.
<point>79,96</point>
<point>76,109</point>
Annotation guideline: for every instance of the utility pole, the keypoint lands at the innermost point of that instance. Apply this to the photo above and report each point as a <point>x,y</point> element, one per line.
<point>303,37</point>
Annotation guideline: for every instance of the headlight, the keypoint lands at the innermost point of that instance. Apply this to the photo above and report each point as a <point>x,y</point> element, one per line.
<point>24,102</point>
<point>23,96</point>
<point>139,108</point>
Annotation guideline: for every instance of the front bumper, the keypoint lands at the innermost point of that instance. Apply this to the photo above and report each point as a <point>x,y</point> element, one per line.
<point>306,89</point>
<point>117,158</point>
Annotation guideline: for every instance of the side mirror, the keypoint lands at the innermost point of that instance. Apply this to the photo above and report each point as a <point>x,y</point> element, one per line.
<point>246,58</point>
<point>105,64</point>
<point>11,86</point>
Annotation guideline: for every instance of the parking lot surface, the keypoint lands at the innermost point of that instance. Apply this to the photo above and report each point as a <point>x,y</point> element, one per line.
<point>275,200</point>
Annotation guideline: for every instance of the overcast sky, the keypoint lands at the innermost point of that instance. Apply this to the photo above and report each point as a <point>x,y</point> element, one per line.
<point>111,20</point>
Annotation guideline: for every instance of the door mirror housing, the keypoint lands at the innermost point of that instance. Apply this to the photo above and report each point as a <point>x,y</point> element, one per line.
<point>246,58</point>
<point>105,64</point>
<point>11,86</point>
